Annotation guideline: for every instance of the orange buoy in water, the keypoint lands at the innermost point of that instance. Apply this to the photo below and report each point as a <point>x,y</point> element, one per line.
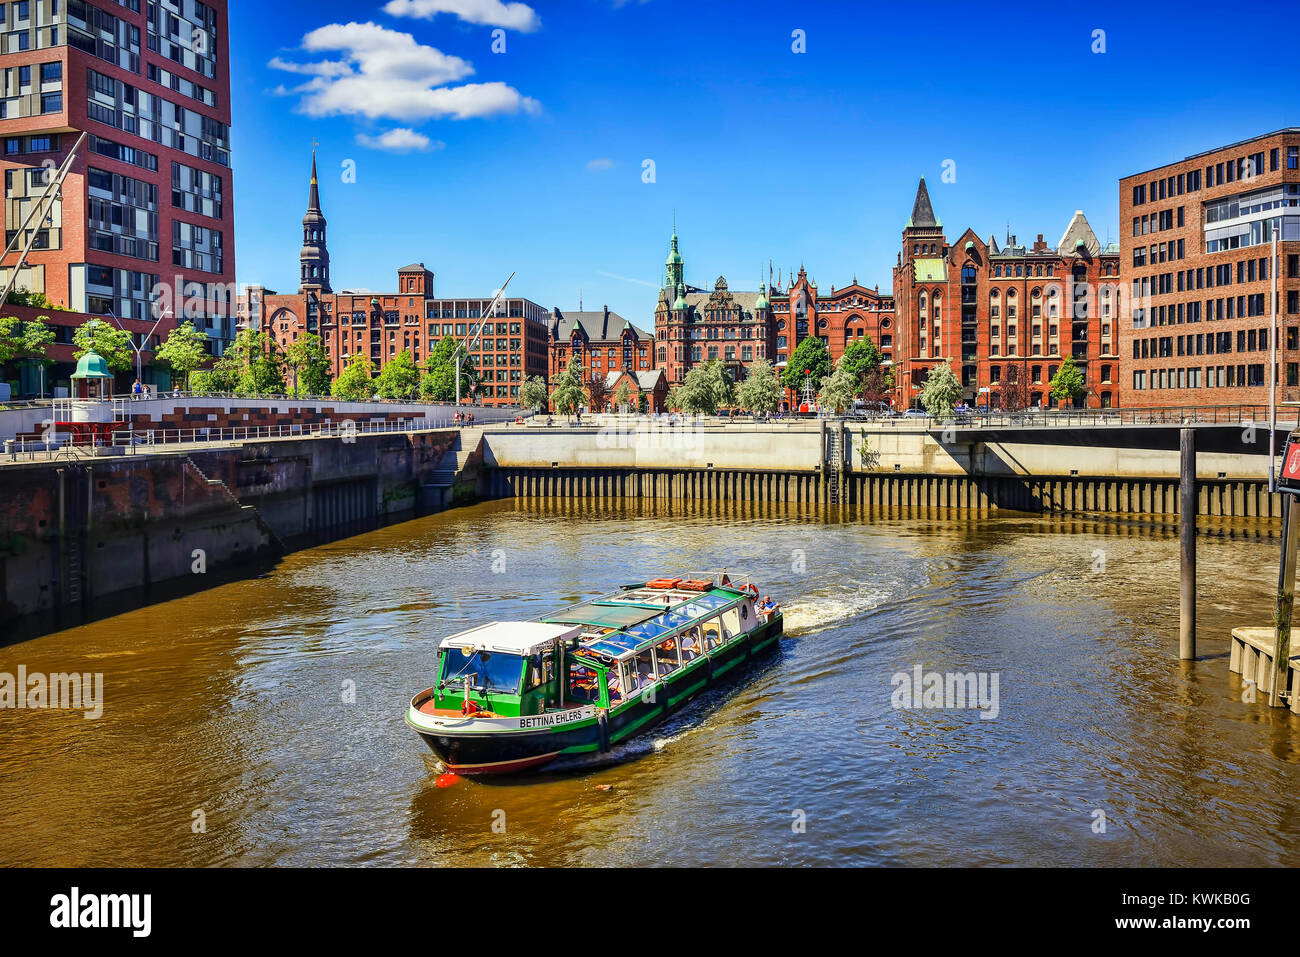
<point>447,780</point>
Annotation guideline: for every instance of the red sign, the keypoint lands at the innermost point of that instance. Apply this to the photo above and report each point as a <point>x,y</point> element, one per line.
<point>1289,480</point>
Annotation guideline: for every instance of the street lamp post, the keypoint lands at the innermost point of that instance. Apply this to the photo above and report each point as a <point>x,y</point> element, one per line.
<point>139,350</point>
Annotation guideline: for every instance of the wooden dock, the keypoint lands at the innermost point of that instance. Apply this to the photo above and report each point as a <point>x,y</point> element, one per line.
<point>1252,658</point>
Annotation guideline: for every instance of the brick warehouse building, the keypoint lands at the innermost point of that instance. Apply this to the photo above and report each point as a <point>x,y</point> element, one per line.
<point>511,348</point>
<point>147,206</point>
<point>1196,242</point>
<point>983,308</point>
<point>693,325</point>
<point>840,318</point>
<point>603,342</point>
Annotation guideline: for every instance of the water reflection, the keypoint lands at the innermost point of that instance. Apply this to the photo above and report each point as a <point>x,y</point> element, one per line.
<point>234,702</point>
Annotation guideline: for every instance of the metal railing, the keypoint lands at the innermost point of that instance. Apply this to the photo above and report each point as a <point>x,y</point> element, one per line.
<point>132,441</point>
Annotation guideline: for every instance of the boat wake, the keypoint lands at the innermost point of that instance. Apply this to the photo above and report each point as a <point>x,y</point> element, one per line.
<point>813,613</point>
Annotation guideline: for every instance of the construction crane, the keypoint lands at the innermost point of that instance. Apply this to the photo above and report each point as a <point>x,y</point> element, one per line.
<point>44,206</point>
<point>477,336</point>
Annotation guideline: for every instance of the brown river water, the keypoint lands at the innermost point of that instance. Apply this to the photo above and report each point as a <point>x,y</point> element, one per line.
<point>228,736</point>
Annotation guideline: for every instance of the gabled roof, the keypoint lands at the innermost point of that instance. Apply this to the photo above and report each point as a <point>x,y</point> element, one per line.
<point>599,326</point>
<point>745,300</point>
<point>646,379</point>
<point>1077,231</point>
<point>993,245</point>
<point>414,267</point>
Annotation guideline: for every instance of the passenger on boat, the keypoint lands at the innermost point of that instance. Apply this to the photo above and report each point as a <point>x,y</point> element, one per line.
<point>667,656</point>
<point>690,645</point>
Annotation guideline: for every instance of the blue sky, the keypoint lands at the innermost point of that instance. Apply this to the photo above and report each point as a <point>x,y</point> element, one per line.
<point>479,163</point>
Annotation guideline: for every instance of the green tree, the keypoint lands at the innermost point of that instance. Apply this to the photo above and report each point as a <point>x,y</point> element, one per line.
<point>533,394</point>
<point>1067,384</point>
<point>623,396</point>
<point>252,365</point>
<point>112,344</point>
<point>569,394</point>
<point>439,383</point>
<point>673,399</point>
<point>399,378</point>
<point>182,351</point>
<point>36,300</point>
<point>707,388</point>
<point>11,328</point>
<point>837,390</point>
<point>940,392</point>
<point>355,382</point>
<point>642,403</point>
<point>810,358</point>
<point>760,391</point>
<point>860,359</point>
<point>310,366</point>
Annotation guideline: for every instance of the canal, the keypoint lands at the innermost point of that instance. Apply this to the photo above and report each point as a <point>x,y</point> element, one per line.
<point>261,722</point>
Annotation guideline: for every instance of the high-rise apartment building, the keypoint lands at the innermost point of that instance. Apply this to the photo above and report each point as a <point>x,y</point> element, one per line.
<point>145,226</point>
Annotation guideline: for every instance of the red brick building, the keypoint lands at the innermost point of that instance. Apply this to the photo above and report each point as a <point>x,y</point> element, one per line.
<point>694,325</point>
<point>603,342</point>
<point>508,346</point>
<point>984,308</point>
<point>145,226</point>
<point>841,317</point>
<point>1197,247</point>
<point>652,383</point>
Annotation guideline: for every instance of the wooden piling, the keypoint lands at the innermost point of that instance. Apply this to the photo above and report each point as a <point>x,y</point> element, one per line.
<point>1285,598</point>
<point>1187,545</point>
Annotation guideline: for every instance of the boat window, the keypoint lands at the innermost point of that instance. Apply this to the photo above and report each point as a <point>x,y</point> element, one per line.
<point>489,670</point>
<point>614,683</point>
<point>645,668</point>
<point>712,634</point>
<point>692,644</point>
<point>583,685</point>
<point>744,612</point>
<point>541,669</point>
<point>666,656</point>
<point>730,623</point>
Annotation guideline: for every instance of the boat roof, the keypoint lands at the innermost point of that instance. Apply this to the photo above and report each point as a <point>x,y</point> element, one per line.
<point>653,621</point>
<point>605,613</point>
<point>512,637</point>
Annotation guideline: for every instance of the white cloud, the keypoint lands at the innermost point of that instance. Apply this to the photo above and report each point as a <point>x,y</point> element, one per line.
<point>385,74</point>
<point>602,163</point>
<point>514,16</point>
<point>400,140</point>
<point>324,68</point>
<point>639,282</point>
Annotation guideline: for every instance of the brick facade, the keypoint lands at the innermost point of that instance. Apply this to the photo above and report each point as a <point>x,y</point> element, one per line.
<point>983,308</point>
<point>1196,248</point>
<point>507,347</point>
<point>140,216</point>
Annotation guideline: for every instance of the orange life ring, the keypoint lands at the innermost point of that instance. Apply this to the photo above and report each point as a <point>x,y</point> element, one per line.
<point>751,589</point>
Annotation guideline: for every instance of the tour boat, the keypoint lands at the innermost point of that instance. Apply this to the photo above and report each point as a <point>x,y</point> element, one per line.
<point>511,696</point>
